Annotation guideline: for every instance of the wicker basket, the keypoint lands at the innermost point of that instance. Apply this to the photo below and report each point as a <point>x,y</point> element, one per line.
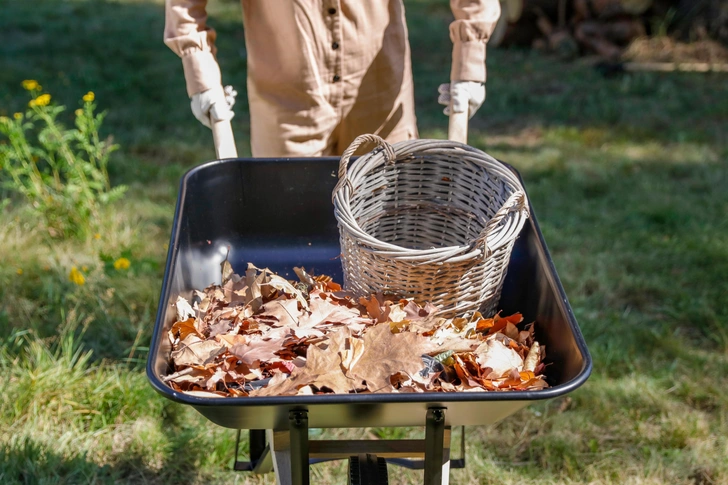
<point>430,219</point>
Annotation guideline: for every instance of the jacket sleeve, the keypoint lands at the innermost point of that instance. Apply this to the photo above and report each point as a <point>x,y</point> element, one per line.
<point>474,22</point>
<point>186,32</point>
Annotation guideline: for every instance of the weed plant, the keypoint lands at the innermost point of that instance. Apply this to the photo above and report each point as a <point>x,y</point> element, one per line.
<point>62,173</point>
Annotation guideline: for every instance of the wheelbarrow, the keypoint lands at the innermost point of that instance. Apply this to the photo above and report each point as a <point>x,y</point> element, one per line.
<point>277,213</point>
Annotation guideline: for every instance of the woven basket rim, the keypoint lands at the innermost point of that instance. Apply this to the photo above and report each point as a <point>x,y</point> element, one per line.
<point>404,152</point>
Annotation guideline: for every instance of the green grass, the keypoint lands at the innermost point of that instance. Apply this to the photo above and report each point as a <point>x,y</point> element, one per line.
<point>627,176</point>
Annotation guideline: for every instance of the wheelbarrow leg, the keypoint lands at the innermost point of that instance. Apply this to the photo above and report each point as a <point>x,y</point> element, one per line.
<point>437,458</point>
<point>260,457</point>
<point>289,450</point>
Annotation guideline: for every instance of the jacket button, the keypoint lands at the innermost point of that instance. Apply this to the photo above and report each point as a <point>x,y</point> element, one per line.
<point>337,78</point>
<point>335,45</point>
<point>332,11</point>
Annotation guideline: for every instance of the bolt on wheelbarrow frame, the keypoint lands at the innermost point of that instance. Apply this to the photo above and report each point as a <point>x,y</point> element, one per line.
<point>277,213</point>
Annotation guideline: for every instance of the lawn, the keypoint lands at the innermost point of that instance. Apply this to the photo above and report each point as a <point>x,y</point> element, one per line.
<point>627,176</point>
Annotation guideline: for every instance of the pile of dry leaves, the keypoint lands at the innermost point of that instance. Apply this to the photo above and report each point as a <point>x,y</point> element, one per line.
<point>262,335</point>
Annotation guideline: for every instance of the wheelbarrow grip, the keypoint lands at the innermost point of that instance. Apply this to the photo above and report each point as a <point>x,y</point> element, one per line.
<point>222,134</point>
<point>457,129</point>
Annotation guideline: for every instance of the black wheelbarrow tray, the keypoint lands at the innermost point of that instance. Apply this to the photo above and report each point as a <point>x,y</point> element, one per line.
<point>277,213</point>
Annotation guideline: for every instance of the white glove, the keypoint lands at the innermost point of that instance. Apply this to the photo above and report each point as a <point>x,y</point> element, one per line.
<point>466,96</point>
<point>214,104</point>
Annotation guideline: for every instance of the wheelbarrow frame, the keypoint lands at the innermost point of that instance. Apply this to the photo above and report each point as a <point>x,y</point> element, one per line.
<point>277,213</point>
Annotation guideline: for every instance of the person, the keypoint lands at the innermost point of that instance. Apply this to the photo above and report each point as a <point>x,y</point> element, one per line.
<point>322,72</point>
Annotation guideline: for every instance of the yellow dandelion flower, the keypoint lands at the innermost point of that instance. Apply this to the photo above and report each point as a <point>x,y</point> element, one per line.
<point>97,236</point>
<point>18,116</point>
<point>88,97</point>
<point>41,100</point>
<point>84,268</point>
<point>76,277</point>
<point>79,112</point>
<point>19,271</point>
<point>122,263</point>
<point>31,85</point>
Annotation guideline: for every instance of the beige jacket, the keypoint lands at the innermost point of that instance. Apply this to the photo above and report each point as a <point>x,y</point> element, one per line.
<point>321,72</point>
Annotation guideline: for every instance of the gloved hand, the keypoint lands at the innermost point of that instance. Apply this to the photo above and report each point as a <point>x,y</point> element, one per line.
<point>466,96</point>
<point>214,104</point>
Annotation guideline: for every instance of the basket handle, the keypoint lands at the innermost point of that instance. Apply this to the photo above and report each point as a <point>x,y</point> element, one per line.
<point>517,201</point>
<point>346,156</point>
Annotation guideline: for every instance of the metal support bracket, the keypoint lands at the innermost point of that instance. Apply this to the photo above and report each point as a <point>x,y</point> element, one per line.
<point>419,464</point>
<point>435,446</point>
<point>298,421</point>
<point>289,452</point>
<point>260,456</point>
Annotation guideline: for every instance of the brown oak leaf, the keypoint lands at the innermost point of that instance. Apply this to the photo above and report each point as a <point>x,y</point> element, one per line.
<point>181,329</point>
<point>257,350</point>
<point>323,369</point>
<point>193,351</point>
<point>386,354</point>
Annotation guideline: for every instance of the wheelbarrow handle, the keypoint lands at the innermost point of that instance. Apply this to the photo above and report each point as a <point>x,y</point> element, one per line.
<point>457,129</point>
<point>222,134</point>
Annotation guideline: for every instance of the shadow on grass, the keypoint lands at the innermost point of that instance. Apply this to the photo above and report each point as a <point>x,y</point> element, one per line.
<point>29,462</point>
